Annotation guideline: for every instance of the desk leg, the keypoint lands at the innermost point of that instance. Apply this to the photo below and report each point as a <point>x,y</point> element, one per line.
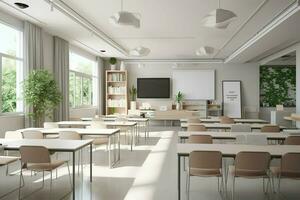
<point>119,146</point>
<point>109,151</point>
<point>73,168</point>
<point>91,162</point>
<point>132,138</point>
<point>179,171</point>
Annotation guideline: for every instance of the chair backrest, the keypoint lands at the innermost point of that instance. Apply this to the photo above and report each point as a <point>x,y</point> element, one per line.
<point>51,125</point>
<point>194,120</point>
<point>13,135</point>
<point>226,120</point>
<point>200,139</point>
<point>240,128</point>
<point>290,165</point>
<point>252,163</point>
<point>98,124</point>
<point>205,160</point>
<point>256,139</point>
<point>34,154</point>
<point>270,128</point>
<point>69,135</point>
<point>240,139</point>
<point>292,140</point>
<point>32,134</point>
<point>196,128</point>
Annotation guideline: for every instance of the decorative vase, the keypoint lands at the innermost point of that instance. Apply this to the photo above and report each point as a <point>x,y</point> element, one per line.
<point>113,67</point>
<point>133,105</point>
<point>122,66</point>
<point>178,106</point>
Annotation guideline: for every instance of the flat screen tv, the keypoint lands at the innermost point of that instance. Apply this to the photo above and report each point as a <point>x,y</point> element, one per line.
<point>153,87</point>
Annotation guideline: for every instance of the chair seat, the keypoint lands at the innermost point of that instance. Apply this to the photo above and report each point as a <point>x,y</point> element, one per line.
<point>4,160</point>
<point>246,173</point>
<point>205,172</point>
<point>98,140</point>
<point>52,136</point>
<point>45,166</point>
<point>276,171</point>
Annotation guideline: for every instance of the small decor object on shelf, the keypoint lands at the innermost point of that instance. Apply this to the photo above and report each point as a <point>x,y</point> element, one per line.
<point>113,63</point>
<point>132,93</point>
<point>179,98</point>
<point>122,66</point>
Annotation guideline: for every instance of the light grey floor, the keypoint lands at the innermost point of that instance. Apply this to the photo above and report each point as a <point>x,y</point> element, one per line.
<point>113,184</point>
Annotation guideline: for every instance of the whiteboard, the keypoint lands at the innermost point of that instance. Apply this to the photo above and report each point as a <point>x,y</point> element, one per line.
<point>194,84</point>
<point>232,104</point>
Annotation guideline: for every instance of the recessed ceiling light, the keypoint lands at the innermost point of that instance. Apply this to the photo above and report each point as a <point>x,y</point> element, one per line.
<point>21,5</point>
<point>102,51</point>
<point>205,51</point>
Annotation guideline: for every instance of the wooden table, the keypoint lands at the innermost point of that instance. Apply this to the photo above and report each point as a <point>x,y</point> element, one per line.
<point>230,150</point>
<point>223,126</point>
<point>109,133</point>
<point>230,135</point>
<point>217,120</point>
<point>55,145</point>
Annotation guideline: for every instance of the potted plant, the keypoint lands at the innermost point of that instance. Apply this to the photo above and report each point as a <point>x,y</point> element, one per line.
<point>179,98</point>
<point>113,62</point>
<point>132,93</point>
<point>41,92</point>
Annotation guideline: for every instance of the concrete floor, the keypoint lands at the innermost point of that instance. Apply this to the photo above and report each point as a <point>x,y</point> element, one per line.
<point>116,183</point>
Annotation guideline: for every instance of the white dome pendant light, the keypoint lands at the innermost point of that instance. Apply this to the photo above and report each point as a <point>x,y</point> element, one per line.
<point>219,18</point>
<point>125,18</point>
<point>205,51</point>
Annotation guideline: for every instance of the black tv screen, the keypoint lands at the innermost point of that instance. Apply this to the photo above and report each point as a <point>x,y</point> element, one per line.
<point>153,87</point>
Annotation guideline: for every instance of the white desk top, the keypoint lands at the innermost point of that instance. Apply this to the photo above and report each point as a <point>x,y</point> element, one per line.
<point>223,126</point>
<point>231,150</point>
<point>217,120</point>
<point>51,144</point>
<point>88,123</point>
<point>231,135</point>
<point>134,119</point>
<point>81,131</point>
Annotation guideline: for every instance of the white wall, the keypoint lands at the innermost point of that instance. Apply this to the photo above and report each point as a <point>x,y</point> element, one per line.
<point>247,73</point>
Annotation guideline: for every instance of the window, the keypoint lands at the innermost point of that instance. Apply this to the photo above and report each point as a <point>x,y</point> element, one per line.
<point>11,69</point>
<point>83,81</point>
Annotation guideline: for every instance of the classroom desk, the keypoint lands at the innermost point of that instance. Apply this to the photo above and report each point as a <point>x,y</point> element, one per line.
<point>230,150</point>
<point>141,122</point>
<point>182,135</point>
<point>110,133</point>
<point>217,120</point>
<point>132,126</point>
<point>223,126</point>
<point>55,145</point>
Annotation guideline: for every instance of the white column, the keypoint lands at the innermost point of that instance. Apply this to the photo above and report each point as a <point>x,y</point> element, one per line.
<point>298,82</point>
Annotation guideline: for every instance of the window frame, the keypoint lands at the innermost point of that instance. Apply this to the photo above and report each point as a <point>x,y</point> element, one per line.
<point>92,77</point>
<point>20,71</point>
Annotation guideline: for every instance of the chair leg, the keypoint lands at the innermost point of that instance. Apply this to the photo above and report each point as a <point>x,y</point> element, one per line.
<point>279,180</point>
<point>69,175</point>
<point>188,187</point>
<point>50,185</point>
<point>21,176</point>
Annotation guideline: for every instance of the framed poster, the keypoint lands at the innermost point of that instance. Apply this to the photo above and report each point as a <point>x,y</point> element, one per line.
<point>232,101</point>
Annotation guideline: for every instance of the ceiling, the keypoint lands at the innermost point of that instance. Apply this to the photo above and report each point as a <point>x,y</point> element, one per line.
<point>169,28</point>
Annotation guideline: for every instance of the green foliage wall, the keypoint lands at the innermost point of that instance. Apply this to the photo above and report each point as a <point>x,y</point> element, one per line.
<point>277,86</point>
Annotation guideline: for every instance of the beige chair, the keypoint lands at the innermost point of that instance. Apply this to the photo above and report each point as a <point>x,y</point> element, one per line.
<point>200,139</point>
<point>251,165</point>
<point>37,158</point>
<point>270,129</point>
<point>194,120</point>
<point>226,120</point>
<point>51,125</point>
<point>32,134</point>
<point>5,161</point>
<point>196,128</point>
<point>98,140</point>
<point>292,140</point>
<point>205,164</point>
<point>289,168</point>
<point>13,135</point>
<point>240,128</point>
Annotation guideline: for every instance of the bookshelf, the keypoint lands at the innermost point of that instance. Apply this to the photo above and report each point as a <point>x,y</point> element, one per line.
<point>116,92</point>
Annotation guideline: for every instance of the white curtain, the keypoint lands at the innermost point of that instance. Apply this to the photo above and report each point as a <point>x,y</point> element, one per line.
<point>61,74</point>
<point>100,85</point>
<point>33,57</point>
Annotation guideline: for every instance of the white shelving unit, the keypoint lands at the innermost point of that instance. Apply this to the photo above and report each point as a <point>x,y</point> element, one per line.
<point>116,92</point>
